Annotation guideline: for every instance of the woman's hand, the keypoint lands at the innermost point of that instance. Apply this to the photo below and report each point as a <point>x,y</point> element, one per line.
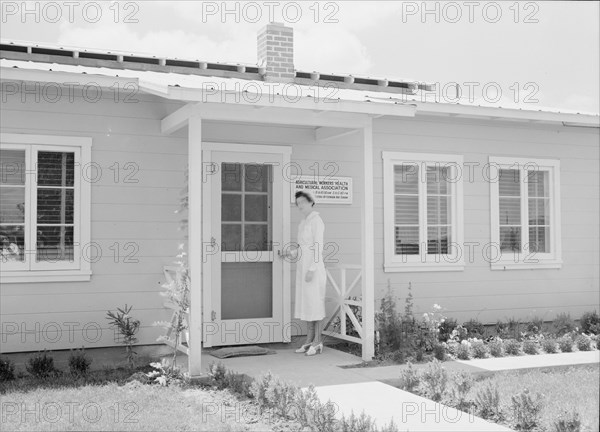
<point>309,276</point>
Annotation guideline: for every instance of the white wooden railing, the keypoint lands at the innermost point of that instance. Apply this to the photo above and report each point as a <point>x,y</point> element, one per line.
<point>340,295</point>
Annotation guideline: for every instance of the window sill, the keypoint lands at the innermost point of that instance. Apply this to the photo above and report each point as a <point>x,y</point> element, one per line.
<point>45,276</point>
<point>408,267</point>
<point>511,265</point>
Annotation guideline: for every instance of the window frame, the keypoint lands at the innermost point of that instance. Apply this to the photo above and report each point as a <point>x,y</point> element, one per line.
<point>523,260</point>
<point>32,271</point>
<point>431,262</point>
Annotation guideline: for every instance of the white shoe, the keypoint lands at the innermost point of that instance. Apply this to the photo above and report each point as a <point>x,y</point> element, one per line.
<point>315,349</point>
<point>303,348</point>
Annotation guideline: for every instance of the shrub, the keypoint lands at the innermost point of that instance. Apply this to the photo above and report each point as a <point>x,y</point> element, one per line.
<point>563,324</point>
<point>7,370</point>
<point>512,347</point>
<point>306,403</point>
<point>565,423</point>
<point>514,329</point>
<point>127,327</point>
<point>281,395</point>
<point>475,329</point>
<point>496,348</point>
<point>439,351</point>
<point>590,323</point>
<point>259,387</point>
<point>409,379</point>
<point>463,351</point>
<point>583,342</point>
<point>535,326</point>
<point>565,343</point>
<point>434,381</point>
<point>530,347</point>
<point>479,349</point>
<point>42,366</point>
<point>462,383</point>
<point>363,423</point>
<point>79,363</point>
<point>217,373</point>
<point>487,402</point>
<point>550,346</point>
<point>526,410</point>
<point>166,375</point>
<point>502,329</point>
<point>389,324</point>
<point>446,328</point>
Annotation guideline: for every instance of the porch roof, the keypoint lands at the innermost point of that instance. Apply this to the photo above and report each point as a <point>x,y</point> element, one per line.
<point>255,92</point>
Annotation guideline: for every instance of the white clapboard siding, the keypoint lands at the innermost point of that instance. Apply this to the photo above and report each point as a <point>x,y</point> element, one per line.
<point>477,291</point>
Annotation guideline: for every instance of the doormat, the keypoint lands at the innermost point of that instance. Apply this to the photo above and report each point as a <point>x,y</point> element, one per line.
<point>241,351</point>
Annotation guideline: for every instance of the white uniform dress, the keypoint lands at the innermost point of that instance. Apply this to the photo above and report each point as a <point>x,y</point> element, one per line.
<point>310,296</point>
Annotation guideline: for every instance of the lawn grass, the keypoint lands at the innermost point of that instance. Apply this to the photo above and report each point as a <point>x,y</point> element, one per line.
<point>564,389</point>
<point>130,407</point>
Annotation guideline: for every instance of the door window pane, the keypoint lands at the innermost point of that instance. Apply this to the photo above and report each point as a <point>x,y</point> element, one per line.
<point>231,207</point>
<point>231,177</point>
<point>231,237</point>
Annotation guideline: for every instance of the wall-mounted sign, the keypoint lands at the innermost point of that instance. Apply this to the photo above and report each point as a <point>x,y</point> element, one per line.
<point>326,189</point>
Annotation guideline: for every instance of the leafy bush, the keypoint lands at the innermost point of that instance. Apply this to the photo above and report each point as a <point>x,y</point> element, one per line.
<point>566,423</point>
<point>389,324</point>
<point>409,379</point>
<point>259,388</point>
<point>526,410</point>
<point>281,395</point>
<point>563,324</point>
<point>79,363</point>
<point>475,329</point>
<point>166,375</point>
<point>583,342</point>
<point>41,366</point>
<point>496,348</point>
<point>487,403</point>
<point>439,351</point>
<point>590,323</point>
<point>550,346</point>
<point>565,343</point>
<point>446,328</point>
<point>535,326</point>
<point>462,383</point>
<point>512,347</point>
<point>217,373</point>
<point>479,349</point>
<point>306,403</point>
<point>530,347</point>
<point>362,423</point>
<point>463,351</point>
<point>7,370</point>
<point>434,380</point>
<point>127,327</point>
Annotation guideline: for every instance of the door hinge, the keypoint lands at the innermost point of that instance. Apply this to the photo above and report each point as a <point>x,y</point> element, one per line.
<point>213,315</point>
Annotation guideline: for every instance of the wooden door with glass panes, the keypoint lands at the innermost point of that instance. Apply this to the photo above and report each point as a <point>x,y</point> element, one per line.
<point>245,231</point>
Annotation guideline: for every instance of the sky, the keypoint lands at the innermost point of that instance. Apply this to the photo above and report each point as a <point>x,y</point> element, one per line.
<point>535,55</point>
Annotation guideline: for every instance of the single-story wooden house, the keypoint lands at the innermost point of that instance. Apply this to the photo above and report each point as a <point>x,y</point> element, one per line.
<point>488,212</point>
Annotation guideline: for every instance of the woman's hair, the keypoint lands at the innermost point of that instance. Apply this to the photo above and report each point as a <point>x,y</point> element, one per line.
<point>306,195</point>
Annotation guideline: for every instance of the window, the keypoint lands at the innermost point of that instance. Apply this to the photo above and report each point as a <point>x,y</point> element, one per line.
<point>525,213</point>
<point>423,212</point>
<point>45,208</point>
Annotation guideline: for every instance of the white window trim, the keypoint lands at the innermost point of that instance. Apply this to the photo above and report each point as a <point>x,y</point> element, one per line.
<point>415,263</point>
<point>80,270</point>
<point>552,260</point>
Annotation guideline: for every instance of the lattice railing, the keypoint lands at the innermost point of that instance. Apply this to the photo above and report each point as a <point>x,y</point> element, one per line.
<point>345,299</point>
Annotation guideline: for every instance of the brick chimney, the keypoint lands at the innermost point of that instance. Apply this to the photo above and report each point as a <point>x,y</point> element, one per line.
<point>276,53</point>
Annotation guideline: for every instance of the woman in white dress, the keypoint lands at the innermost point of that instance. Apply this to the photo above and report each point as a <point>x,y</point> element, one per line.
<point>310,273</point>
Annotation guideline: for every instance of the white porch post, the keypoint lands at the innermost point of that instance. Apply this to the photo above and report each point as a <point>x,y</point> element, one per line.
<point>367,233</point>
<point>195,243</point>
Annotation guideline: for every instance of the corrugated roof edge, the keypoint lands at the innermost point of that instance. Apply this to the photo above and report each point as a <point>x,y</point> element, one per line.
<point>48,53</point>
